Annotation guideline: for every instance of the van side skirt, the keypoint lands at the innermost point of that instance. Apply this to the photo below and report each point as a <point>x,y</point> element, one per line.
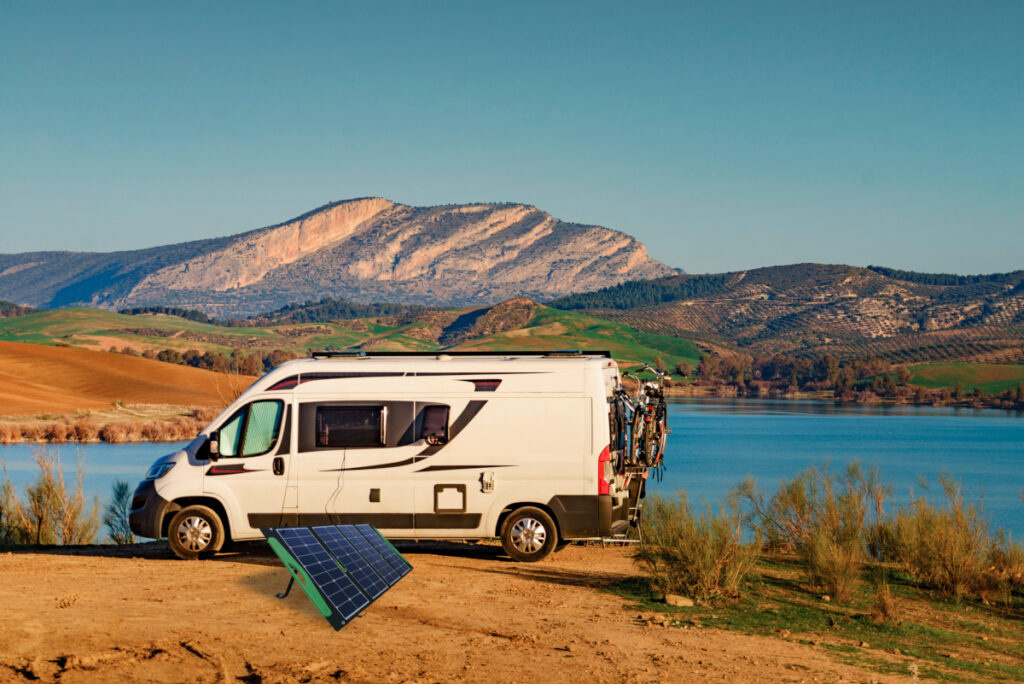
<point>392,521</point>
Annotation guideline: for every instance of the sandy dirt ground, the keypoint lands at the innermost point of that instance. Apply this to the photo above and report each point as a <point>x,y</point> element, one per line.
<point>465,613</point>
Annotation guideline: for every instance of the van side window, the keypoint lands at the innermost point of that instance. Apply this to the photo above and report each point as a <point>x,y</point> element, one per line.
<point>435,425</point>
<point>350,426</point>
<point>252,431</point>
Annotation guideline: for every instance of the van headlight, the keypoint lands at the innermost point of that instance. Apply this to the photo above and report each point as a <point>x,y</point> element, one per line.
<point>158,471</point>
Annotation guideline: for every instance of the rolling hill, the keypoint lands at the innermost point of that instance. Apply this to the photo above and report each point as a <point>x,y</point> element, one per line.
<point>47,379</point>
<point>369,249</point>
<point>813,309</point>
<point>515,324</point>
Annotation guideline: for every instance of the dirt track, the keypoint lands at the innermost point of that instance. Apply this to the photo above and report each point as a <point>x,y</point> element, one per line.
<point>463,614</point>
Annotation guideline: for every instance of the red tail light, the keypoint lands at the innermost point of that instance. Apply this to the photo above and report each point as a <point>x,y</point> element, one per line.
<point>603,486</point>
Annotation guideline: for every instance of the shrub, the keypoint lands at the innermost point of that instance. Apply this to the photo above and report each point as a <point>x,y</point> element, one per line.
<point>885,607</point>
<point>1006,560</point>
<point>86,431</point>
<point>53,512</point>
<point>12,531</point>
<point>825,519</point>
<point>9,434</point>
<point>114,433</point>
<point>57,432</point>
<point>702,556</point>
<point>944,549</point>
<point>115,515</point>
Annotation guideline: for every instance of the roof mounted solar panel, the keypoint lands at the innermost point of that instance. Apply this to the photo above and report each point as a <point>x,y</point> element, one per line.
<point>337,567</point>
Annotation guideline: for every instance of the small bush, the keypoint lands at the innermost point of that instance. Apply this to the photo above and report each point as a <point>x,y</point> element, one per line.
<point>944,549</point>
<point>153,431</point>
<point>1006,560</point>
<point>12,530</point>
<point>114,433</point>
<point>52,512</point>
<point>826,519</point>
<point>86,431</point>
<point>885,607</point>
<point>9,434</point>
<point>117,511</point>
<point>701,556</point>
<point>57,432</point>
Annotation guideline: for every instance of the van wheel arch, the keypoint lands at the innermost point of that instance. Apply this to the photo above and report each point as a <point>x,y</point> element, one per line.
<point>213,504</point>
<point>512,508</point>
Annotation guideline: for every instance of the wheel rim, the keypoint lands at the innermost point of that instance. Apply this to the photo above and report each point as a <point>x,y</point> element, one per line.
<point>195,533</point>
<point>529,535</point>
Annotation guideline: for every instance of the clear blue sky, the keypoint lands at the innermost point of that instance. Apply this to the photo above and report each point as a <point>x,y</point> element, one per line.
<point>723,135</point>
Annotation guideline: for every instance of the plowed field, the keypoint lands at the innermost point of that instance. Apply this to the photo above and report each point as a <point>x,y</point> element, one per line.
<point>43,379</point>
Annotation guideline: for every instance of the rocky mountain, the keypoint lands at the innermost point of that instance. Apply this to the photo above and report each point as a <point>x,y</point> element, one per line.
<point>816,308</point>
<point>365,250</point>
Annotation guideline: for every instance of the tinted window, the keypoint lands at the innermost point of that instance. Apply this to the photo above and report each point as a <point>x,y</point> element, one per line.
<point>435,424</point>
<point>350,426</point>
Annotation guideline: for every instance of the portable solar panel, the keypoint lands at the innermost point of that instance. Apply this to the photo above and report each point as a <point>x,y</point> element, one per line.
<point>384,548</point>
<point>341,569</point>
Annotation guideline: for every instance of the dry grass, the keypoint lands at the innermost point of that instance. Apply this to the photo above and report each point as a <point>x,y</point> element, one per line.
<point>826,519</point>
<point>884,610</point>
<point>121,426</point>
<point>944,548</point>
<point>701,556</point>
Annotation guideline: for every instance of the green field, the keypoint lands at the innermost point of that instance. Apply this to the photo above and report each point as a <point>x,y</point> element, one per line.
<point>548,329</point>
<point>992,378</point>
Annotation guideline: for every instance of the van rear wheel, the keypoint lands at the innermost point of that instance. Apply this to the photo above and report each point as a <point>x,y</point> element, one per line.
<point>195,532</point>
<point>529,535</point>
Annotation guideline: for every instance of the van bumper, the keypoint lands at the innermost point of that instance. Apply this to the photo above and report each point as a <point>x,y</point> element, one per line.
<point>148,510</point>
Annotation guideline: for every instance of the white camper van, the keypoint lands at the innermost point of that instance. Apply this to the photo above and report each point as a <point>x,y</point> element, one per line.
<point>423,446</point>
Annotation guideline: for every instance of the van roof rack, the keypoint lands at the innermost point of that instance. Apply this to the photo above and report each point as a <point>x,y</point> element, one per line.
<point>561,353</point>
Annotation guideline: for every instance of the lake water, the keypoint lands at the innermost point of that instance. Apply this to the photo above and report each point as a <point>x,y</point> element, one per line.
<point>716,442</point>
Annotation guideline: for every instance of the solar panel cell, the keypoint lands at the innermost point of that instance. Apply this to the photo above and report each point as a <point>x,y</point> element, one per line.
<point>385,549</point>
<point>358,568</point>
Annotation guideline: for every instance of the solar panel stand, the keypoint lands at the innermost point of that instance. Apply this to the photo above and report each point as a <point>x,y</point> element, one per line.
<point>291,583</point>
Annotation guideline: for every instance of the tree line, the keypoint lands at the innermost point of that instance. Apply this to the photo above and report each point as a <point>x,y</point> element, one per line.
<point>850,380</point>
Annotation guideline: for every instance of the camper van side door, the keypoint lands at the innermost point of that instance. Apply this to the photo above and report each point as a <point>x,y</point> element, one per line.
<point>251,471</point>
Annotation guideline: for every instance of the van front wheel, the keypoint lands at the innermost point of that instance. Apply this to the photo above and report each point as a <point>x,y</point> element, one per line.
<point>195,532</point>
<point>529,535</point>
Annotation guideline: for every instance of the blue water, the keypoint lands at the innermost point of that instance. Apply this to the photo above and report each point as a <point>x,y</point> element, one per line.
<point>104,463</point>
<point>716,442</point>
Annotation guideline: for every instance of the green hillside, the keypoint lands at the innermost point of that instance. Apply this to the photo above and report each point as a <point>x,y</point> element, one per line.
<point>992,378</point>
<point>546,328</point>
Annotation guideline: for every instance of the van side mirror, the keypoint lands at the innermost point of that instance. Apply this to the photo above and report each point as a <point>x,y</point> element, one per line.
<point>214,444</point>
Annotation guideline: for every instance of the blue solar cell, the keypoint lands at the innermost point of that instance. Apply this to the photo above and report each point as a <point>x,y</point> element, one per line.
<point>341,592</point>
<point>358,567</point>
<point>385,549</point>
<point>372,556</point>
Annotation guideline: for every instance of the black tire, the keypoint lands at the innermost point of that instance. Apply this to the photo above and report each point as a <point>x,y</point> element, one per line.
<point>195,532</point>
<point>529,535</point>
